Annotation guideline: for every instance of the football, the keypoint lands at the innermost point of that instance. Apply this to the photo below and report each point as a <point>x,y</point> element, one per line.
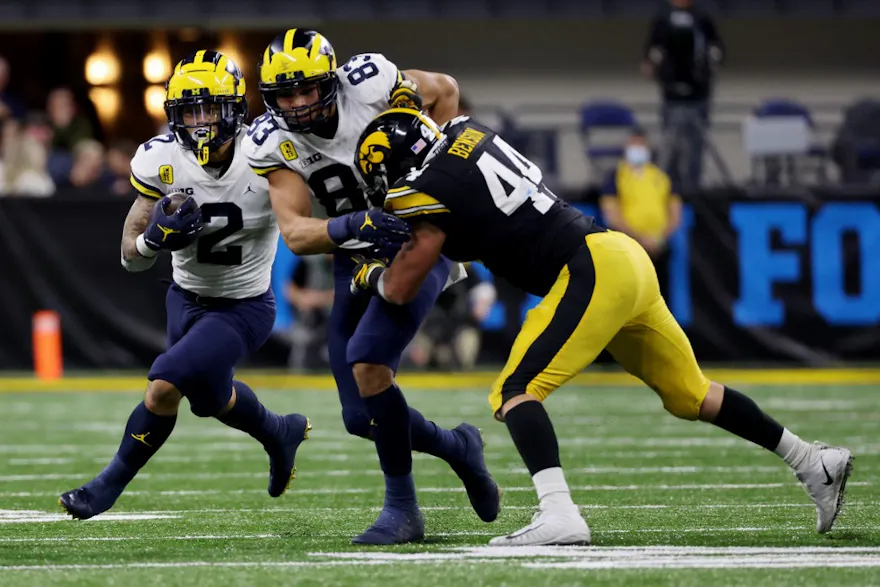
<point>175,200</point>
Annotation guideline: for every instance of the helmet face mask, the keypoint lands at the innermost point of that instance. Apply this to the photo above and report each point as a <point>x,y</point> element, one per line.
<point>298,80</point>
<point>282,100</point>
<point>205,103</point>
<point>206,122</point>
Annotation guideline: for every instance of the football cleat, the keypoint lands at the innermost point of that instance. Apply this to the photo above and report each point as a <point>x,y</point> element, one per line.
<point>98,495</point>
<point>824,476</point>
<point>295,429</point>
<point>87,502</point>
<point>483,493</point>
<point>551,525</point>
<point>393,526</point>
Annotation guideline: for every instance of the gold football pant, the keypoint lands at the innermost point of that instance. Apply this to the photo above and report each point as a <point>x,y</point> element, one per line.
<point>606,296</point>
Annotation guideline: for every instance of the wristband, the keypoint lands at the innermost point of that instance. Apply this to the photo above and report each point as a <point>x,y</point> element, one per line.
<point>378,283</point>
<point>338,230</point>
<point>143,248</point>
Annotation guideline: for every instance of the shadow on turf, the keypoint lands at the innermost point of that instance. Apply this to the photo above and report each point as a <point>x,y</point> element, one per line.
<point>847,537</point>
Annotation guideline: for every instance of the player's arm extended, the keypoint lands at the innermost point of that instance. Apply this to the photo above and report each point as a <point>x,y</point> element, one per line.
<point>291,202</point>
<point>439,94</point>
<point>400,283</point>
<point>135,224</point>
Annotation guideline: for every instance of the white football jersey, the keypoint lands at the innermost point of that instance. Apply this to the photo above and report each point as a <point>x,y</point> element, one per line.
<point>232,258</point>
<point>328,165</point>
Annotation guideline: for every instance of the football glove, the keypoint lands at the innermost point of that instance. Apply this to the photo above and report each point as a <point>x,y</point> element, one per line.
<point>371,226</point>
<point>366,274</point>
<point>406,95</point>
<point>175,231</point>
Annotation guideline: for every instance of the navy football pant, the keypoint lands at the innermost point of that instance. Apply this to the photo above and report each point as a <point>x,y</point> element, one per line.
<point>205,341</point>
<point>364,328</point>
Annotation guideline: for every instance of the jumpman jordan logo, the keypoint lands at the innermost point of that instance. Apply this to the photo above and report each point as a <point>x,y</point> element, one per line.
<point>142,438</point>
<point>368,222</point>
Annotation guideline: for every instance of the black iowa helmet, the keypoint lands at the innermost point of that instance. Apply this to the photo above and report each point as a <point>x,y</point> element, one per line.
<point>394,143</point>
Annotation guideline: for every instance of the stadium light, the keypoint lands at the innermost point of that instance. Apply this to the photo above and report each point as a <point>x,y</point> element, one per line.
<point>154,101</point>
<point>102,67</point>
<point>107,102</point>
<point>157,67</point>
<point>229,47</point>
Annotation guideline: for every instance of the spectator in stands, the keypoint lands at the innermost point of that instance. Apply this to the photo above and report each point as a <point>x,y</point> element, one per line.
<point>450,337</point>
<point>88,164</point>
<point>310,292</point>
<point>23,171</point>
<point>11,106</point>
<point>639,200</point>
<point>70,127</point>
<point>36,126</point>
<point>119,156</point>
<point>682,53</point>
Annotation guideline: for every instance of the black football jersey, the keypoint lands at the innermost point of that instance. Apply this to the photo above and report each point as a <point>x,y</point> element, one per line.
<point>493,206</point>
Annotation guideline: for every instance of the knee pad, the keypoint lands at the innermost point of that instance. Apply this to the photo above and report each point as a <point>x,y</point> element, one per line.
<point>357,422</point>
<point>206,404</point>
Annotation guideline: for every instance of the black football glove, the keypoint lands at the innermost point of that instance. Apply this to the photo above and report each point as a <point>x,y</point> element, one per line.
<point>175,231</point>
<point>366,274</point>
<point>406,95</point>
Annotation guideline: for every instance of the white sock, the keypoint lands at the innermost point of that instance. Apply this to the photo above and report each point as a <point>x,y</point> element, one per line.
<point>792,449</point>
<point>551,486</point>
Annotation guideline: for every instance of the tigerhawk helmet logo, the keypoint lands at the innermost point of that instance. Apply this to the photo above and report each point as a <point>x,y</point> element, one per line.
<point>375,149</point>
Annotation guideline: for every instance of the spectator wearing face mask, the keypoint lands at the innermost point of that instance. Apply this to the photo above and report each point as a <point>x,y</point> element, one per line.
<point>639,200</point>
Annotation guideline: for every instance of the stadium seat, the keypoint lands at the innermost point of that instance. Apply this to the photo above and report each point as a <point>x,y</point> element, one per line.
<point>599,116</point>
<point>784,107</point>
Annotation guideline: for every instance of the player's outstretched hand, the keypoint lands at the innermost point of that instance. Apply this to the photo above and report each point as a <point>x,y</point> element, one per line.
<point>170,229</point>
<point>371,226</point>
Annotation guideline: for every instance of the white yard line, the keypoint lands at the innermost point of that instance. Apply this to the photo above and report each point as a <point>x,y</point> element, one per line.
<point>439,508</point>
<point>540,558</point>
<point>378,489</point>
<point>423,473</point>
<point>595,532</point>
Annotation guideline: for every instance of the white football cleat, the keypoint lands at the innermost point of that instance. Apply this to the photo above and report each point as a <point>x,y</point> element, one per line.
<point>824,476</point>
<point>555,525</point>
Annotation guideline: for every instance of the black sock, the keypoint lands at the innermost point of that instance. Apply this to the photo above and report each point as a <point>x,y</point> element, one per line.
<point>390,414</point>
<point>532,433</point>
<point>145,433</point>
<point>740,415</point>
<point>429,438</point>
<point>249,415</point>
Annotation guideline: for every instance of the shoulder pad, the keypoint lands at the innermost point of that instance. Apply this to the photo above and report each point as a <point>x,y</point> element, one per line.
<point>265,145</point>
<point>151,166</point>
<point>370,76</point>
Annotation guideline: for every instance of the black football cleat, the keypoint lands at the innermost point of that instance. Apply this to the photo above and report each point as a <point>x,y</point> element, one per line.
<point>294,430</point>
<point>393,526</point>
<point>482,491</point>
<point>87,502</point>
